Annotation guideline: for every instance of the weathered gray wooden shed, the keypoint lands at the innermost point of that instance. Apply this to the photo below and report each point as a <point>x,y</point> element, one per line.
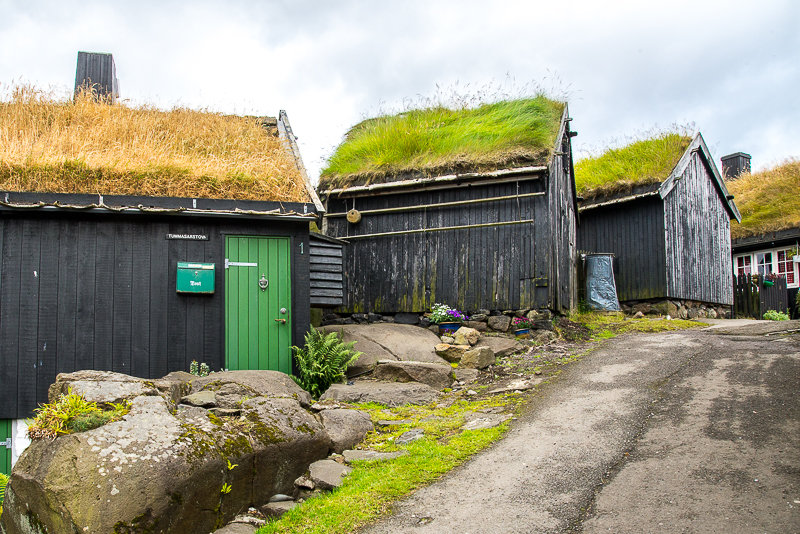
<point>471,235</point>
<point>670,236</point>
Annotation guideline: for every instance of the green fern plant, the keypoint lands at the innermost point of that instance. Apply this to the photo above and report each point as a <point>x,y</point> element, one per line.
<point>322,361</point>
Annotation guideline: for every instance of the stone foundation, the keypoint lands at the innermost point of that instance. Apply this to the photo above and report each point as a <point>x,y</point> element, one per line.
<point>481,320</point>
<point>677,309</point>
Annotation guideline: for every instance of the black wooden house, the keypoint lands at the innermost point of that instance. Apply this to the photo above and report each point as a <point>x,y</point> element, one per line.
<point>670,236</point>
<point>497,236</point>
<point>143,284</point>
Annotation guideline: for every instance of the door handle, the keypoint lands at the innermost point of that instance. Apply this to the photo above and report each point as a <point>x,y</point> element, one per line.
<point>282,321</point>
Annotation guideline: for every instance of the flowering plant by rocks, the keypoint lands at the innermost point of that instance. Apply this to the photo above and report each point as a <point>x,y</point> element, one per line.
<point>521,322</point>
<point>442,313</point>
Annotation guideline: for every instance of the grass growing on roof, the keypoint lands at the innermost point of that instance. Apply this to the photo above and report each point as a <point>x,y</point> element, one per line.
<point>643,162</point>
<point>768,200</point>
<point>85,146</point>
<point>439,139</point>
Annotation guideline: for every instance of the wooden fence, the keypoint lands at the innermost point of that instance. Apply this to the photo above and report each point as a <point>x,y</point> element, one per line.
<point>751,298</point>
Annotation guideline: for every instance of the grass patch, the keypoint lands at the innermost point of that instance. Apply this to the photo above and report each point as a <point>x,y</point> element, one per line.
<point>437,139</point>
<point>643,162</point>
<point>606,325</point>
<point>85,146</point>
<point>369,491</point>
<point>768,200</point>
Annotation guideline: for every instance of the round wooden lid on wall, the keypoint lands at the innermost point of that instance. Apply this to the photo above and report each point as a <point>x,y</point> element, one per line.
<point>353,216</point>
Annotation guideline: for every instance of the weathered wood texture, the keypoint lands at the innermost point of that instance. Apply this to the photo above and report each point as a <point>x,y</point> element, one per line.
<point>494,267</point>
<point>98,292</point>
<point>634,232</point>
<point>753,299</point>
<point>326,271</point>
<point>697,238</point>
<point>97,70</point>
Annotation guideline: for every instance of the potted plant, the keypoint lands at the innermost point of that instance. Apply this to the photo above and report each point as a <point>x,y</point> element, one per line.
<point>522,327</point>
<point>448,319</point>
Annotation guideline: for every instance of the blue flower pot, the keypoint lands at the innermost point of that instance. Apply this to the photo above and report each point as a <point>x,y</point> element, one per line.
<point>448,328</point>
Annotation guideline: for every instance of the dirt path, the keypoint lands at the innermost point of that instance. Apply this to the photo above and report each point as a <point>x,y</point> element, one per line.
<point>678,432</point>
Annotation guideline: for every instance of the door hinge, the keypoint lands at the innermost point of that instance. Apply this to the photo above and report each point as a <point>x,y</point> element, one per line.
<point>229,263</point>
<point>6,443</point>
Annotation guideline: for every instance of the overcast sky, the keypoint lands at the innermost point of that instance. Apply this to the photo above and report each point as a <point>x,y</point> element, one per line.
<point>728,69</point>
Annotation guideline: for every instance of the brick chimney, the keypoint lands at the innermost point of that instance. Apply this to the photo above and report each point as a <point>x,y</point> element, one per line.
<point>97,70</point>
<point>733,165</point>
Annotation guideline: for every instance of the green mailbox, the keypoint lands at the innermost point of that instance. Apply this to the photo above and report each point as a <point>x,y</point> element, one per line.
<point>195,277</point>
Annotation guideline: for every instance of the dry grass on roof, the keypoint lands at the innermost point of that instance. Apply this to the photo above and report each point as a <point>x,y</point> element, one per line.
<point>83,146</point>
<point>643,162</point>
<point>438,140</point>
<point>769,200</point>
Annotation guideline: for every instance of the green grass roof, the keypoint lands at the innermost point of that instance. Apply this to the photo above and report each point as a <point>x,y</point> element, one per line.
<point>768,200</point>
<point>439,140</point>
<point>649,161</point>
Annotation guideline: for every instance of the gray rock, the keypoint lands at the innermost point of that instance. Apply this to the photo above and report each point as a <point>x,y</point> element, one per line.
<point>518,384</point>
<point>501,346</point>
<point>638,315</point>
<point>406,318</point>
<point>438,376</point>
<point>466,336</point>
<point>236,528</point>
<point>328,474</point>
<point>466,375</point>
<point>480,326</point>
<point>451,353</point>
<point>484,421</point>
<point>102,387</point>
<point>411,435</point>
<point>369,456</point>
<point>541,337</point>
<point>374,317</point>
<point>480,317</point>
<point>203,399</point>
<point>499,323</point>
<point>233,387</point>
<point>389,393</point>
<point>346,428</point>
<point>478,358</point>
<point>168,467</point>
<point>276,509</point>
<point>385,341</point>
<point>226,412</point>
<point>280,497</point>
<point>304,482</point>
<point>447,340</point>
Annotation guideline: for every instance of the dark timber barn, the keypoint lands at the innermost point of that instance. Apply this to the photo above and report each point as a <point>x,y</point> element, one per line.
<point>664,212</point>
<point>469,228</point>
<point>143,269</point>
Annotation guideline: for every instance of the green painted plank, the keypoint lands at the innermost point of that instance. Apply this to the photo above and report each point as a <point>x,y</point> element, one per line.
<point>263,306</point>
<point>5,454</point>
<point>286,297</point>
<point>252,304</point>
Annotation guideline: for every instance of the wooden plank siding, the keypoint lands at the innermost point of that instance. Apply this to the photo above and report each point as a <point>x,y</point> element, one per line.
<point>634,232</point>
<point>697,238</point>
<point>326,280</point>
<point>87,291</point>
<point>490,267</point>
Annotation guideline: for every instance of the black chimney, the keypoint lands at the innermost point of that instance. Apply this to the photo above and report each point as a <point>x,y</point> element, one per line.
<point>733,165</point>
<point>97,72</point>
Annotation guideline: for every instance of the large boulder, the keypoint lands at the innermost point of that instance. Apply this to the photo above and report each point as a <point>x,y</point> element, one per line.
<point>466,336</point>
<point>501,346</point>
<point>388,393</point>
<point>478,358</point>
<point>435,375</point>
<point>165,468</point>
<point>387,341</point>
<point>451,353</point>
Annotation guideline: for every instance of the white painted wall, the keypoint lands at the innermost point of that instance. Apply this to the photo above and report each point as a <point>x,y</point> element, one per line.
<point>19,439</point>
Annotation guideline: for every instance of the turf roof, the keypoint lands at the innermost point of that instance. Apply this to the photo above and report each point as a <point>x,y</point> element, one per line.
<point>438,140</point>
<point>644,162</point>
<point>769,200</point>
<point>84,146</point>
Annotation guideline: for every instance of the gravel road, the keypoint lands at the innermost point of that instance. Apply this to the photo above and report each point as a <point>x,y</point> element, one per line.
<point>691,431</point>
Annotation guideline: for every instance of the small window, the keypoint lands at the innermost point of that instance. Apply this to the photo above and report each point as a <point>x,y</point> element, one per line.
<point>743,265</point>
<point>764,261</point>
<point>786,266</point>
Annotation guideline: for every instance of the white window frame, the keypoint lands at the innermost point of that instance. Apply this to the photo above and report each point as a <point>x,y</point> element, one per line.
<point>773,265</point>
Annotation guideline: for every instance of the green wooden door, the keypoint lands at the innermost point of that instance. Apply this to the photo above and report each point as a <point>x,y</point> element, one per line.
<point>5,446</point>
<point>258,315</point>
